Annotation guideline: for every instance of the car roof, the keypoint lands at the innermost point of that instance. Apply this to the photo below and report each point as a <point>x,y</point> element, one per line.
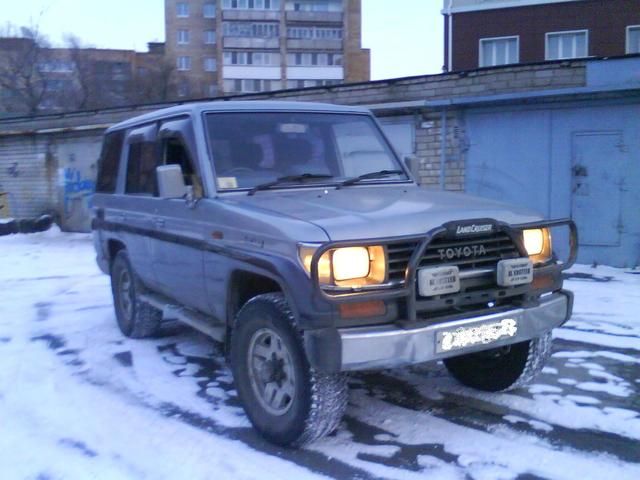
<point>197,108</point>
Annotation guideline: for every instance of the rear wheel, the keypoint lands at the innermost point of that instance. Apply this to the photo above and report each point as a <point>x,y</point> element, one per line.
<point>287,401</point>
<point>136,319</point>
<point>503,368</point>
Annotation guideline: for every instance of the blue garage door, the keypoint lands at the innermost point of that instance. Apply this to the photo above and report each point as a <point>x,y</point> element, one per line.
<point>572,161</point>
<point>597,173</point>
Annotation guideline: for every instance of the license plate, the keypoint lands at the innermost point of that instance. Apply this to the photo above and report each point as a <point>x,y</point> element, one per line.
<point>515,271</point>
<point>438,281</point>
<point>483,334</point>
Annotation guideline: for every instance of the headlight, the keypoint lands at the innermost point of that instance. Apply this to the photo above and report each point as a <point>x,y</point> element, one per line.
<point>537,242</point>
<point>348,266</point>
<point>350,263</point>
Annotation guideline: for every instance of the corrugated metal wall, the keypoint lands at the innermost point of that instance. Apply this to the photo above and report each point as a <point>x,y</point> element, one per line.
<point>50,174</point>
<point>580,161</point>
<point>28,173</point>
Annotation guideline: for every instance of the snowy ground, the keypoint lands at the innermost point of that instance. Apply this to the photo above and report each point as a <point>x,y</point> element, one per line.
<point>78,401</point>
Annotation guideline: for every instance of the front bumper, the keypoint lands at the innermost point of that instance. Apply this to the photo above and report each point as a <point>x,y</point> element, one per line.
<point>389,346</point>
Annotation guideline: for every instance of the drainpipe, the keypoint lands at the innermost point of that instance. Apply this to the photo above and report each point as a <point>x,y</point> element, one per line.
<point>443,145</point>
<point>450,38</point>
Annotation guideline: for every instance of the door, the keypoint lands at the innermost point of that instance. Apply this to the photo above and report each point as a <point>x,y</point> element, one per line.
<point>597,174</point>
<point>131,212</point>
<point>180,226</point>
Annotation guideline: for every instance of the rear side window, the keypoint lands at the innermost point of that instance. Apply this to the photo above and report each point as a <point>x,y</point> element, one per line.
<point>141,168</point>
<point>109,162</point>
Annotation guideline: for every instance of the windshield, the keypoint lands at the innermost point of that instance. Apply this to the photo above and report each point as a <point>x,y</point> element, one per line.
<point>250,149</point>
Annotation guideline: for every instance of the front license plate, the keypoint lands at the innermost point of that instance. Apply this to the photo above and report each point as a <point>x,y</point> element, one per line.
<point>515,271</point>
<point>483,334</point>
<point>438,281</point>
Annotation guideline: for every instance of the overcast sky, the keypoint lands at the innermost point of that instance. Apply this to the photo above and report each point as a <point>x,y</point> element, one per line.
<point>405,36</point>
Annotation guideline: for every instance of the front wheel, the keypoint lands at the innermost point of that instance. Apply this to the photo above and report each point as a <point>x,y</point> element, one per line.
<point>503,368</point>
<point>287,401</point>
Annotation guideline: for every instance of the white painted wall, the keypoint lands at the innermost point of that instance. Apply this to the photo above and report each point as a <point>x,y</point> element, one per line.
<point>249,71</point>
<point>315,73</point>
<point>459,6</point>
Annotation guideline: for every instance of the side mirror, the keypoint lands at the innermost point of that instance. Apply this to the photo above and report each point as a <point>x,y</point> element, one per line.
<point>170,181</point>
<point>413,165</point>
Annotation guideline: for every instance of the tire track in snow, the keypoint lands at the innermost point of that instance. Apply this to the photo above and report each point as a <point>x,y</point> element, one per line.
<point>460,406</point>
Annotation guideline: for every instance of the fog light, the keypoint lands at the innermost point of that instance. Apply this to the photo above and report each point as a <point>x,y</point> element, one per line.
<point>537,242</point>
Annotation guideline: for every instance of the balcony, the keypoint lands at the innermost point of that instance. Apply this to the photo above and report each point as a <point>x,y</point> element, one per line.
<point>250,14</point>
<point>251,42</point>
<point>251,72</point>
<point>327,72</point>
<point>312,44</point>
<point>315,17</point>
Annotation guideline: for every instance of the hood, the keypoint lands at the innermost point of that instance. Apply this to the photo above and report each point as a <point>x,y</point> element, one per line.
<point>381,211</point>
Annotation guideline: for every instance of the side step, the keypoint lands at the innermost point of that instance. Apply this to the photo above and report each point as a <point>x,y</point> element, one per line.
<point>197,320</point>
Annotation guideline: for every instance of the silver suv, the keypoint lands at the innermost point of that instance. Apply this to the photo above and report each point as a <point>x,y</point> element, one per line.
<point>292,233</point>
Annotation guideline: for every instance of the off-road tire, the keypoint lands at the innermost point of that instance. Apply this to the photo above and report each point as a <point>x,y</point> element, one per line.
<point>320,399</point>
<point>143,320</point>
<point>509,369</point>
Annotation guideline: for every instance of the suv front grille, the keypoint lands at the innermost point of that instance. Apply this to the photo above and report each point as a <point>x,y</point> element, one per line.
<point>476,257</point>
<point>467,254</point>
<point>398,255</point>
<point>470,253</point>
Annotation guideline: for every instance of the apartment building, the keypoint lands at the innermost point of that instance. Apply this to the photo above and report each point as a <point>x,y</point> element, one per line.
<point>240,46</point>
<point>36,78</point>
<point>487,33</point>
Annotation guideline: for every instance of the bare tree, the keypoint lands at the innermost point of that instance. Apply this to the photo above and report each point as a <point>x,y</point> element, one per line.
<point>86,85</point>
<point>23,52</point>
<point>153,80</point>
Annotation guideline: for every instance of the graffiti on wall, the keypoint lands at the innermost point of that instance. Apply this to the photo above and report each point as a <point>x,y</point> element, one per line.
<point>76,187</point>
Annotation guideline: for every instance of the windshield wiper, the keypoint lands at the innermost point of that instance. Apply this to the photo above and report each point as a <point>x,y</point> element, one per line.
<point>378,174</point>
<point>288,179</point>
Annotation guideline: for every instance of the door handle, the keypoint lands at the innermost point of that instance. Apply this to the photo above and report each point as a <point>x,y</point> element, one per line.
<point>159,222</point>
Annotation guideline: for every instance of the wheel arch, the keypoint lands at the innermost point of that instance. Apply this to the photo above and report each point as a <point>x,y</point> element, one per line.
<point>245,284</point>
<point>113,247</point>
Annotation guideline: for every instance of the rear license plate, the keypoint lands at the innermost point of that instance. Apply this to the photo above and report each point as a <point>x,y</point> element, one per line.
<point>516,271</point>
<point>483,334</point>
<point>438,281</point>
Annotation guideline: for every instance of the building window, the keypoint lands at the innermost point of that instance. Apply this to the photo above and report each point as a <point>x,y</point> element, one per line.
<point>251,85</point>
<point>314,59</point>
<point>184,89</point>
<point>209,10</point>
<point>212,90</point>
<point>251,58</point>
<point>210,37</point>
<point>254,30</point>
<point>251,4</point>
<point>315,33</point>
<point>182,9</point>
<point>209,64</point>
<point>56,66</point>
<point>184,63</point>
<point>633,39</point>
<point>561,45</point>
<point>315,6</point>
<point>311,83</point>
<point>183,37</point>
<point>499,51</point>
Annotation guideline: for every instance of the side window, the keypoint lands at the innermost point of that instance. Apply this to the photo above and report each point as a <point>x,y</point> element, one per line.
<point>141,168</point>
<point>175,153</point>
<point>109,162</point>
